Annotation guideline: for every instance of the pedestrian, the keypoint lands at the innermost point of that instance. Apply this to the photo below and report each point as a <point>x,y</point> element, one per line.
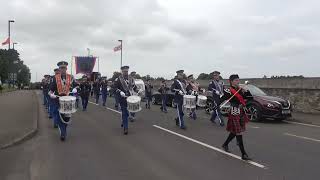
<point>148,94</point>
<point>216,87</point>
<point>179,88</point>
<point>96,90</point>
<point>163,90</point>
<point>104,90</point>
<point>61,86</point>
<point>124,89</point>
<point>237,118</point>
<point>193,88</point>
<point>85,89</point>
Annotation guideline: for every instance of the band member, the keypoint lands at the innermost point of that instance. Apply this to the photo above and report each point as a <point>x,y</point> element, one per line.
<point>124,88</point>
<point>193,88</point>
<point>52,105</point>
<point>61,85</point>
<point>85,89</point>
<point>104,90</point>
<point>115,94</point>
<point>45,90</point>
<point>148,88</point>
<point>133,77</point>
<point>216,86</point>
<point>237,117</point>
<point>163,90</point>
<point>179,88</point>
<point>96,90</point>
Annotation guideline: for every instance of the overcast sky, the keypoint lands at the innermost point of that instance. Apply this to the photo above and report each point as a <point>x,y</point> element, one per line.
<point>249,37</point>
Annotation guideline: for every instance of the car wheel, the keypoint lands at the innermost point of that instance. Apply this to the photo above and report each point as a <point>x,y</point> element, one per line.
<point>154,100</point>
<point>254,112</point>
<point>209,107</point>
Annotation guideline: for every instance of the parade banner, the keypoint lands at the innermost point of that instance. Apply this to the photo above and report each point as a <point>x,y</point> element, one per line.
<point>85,64</point>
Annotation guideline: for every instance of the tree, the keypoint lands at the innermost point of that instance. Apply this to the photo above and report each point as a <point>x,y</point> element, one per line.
<point>115,76</point>
<point>203,76</point>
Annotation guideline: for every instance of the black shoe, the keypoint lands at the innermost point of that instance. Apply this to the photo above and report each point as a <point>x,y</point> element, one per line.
<point>55,126</point>
<point>177,121</point>
<point>62,138</point>
<point>183,127</point>
<point>221,124</point>
<point>226,148</point>
<point>125,131</point>
<point>245,157</point>
<point>50,117</point>
<point>121,125</point>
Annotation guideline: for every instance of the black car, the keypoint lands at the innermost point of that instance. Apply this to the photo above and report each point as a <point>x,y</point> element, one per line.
<point>260,107</point>
<point>156,99</point>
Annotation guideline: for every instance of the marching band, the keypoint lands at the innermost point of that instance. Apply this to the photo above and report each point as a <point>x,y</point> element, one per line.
<point>61,94</point>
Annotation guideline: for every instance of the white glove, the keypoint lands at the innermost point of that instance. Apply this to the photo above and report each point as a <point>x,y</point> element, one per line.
<point>53,96</point>
<point>140,91</point>
<point>180,92</point>
<point>122,94</point>
<point>217,92</point>
<point>74,90</point>
<point>195,93</point>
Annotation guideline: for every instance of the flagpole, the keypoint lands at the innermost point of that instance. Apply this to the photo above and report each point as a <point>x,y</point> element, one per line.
<point>98,64</point>
<point>71,64</point>
<point>121,52</point>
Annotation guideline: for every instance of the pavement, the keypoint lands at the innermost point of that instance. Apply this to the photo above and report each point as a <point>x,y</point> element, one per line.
<point>156,149</point>
<point>18,112</point>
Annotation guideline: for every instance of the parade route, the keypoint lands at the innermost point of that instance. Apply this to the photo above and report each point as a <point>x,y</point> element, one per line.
<point>156,149</point>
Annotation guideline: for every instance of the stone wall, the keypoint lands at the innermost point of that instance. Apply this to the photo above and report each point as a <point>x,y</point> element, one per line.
<point>304,93</point>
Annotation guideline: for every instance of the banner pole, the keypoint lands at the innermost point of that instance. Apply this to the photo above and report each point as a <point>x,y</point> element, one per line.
<point>72,65</point>
<point>99,64</point>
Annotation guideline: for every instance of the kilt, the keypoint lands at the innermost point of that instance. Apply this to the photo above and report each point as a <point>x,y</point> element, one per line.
<point>237,123</point>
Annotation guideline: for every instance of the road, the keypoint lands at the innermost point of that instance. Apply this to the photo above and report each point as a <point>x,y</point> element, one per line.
<point>156,149</point>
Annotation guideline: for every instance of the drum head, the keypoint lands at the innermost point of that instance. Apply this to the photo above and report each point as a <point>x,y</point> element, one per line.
<point>202,97</point>
<point>67,98</point>
<point>134,99</point>
<point>189,96</point>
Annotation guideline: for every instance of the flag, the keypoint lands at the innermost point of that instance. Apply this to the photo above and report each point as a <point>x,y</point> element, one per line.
<point>6,42</point>
<point>117,48</point>
<point>85,64</point>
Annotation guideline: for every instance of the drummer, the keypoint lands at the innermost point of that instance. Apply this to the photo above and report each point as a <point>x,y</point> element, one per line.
<point>53,105</point>
<point>61,86</point>
<point>124,86</point>
<point>132,115</point>
<point>179,88</point>
<point>193,88</point>
<point>216,86</point>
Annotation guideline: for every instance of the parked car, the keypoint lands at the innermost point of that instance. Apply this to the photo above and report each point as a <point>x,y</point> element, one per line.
<point>156,99</point>
<point>260,107</point>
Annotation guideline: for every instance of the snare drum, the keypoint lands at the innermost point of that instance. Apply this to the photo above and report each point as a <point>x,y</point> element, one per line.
<point>189,101</point>
<point>67,104</point>
<point>202,101</point>
<point>134,103</point>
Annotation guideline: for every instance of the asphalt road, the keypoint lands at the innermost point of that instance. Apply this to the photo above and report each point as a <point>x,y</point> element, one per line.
<point>155,149</point>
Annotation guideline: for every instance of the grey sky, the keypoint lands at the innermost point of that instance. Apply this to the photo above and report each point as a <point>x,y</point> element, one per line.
<point>249,37</point>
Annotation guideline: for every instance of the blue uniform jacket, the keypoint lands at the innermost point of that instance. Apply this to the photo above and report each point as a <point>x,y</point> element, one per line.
<point>176,87</point>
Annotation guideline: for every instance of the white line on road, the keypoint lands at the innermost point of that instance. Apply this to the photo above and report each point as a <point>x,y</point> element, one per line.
<point>114,110</point>
<point>303,124</point>
<point>254,127</point>
<point>302,137</point>
<point>106,107</point>
<point>93,103</point>
<point>211,147</point>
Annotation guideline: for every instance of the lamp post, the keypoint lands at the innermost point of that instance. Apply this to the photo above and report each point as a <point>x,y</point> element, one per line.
<point>10,21</point>
<point>121,52</point>
<point>14,44</point>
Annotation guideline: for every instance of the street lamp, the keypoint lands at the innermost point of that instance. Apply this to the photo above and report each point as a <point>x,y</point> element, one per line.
<point>10,21</point>
<point>14,44</point>
<point>121,51</point>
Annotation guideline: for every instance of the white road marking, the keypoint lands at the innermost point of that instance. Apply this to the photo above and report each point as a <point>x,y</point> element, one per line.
<point>114,110</point>
<point>254,127</point>
<point>106,107</point>
<point>211,147</point>
<point>303,124</point>
<point>93,103</point>
<point>302,137</point>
